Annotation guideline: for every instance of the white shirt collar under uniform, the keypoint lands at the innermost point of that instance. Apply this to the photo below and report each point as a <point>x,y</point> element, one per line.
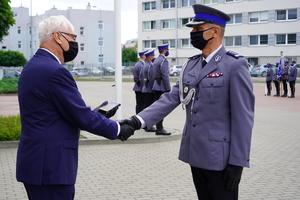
<point>209,57</point>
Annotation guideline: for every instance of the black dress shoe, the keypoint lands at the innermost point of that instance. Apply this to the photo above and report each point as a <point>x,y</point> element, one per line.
<point>162,132</point>
<point>292,96</point>
<point>276,95</point>
<point>284,95</point>
<point>151,129</point>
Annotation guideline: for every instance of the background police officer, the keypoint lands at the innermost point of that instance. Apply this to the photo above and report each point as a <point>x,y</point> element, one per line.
<point>284,78</point>
<point>162,80</point>
<point>276,81</point>
<point>137,88</point>
<point>292,78</point>
<point>219,102</point>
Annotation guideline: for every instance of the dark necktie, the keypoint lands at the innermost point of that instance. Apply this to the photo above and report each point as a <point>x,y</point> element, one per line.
<point>203,63</point>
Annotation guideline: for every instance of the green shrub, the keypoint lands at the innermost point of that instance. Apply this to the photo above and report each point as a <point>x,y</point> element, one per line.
<point>9,85</point>
<point>10,128</point>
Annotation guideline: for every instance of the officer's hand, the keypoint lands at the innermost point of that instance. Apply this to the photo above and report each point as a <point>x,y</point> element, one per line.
<point>125,132</point>
<point>133,121</point>
<point>232,176</point>
<point>107,114</point>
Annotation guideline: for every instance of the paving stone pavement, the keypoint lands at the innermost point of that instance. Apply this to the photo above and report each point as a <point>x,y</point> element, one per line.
<point>141,170</point>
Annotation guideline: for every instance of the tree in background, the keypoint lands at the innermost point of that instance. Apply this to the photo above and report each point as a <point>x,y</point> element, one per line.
<point>129,55</point>
<point>12,59</point>
<point>6,18</point>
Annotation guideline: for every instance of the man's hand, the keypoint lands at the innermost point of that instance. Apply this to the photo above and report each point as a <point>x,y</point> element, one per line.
<point>133,121</point>
<point>125,132</point>
<point>232,176</point>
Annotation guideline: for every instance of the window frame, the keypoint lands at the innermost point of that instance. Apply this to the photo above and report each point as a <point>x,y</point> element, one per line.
<point>100,39</point>
<point>169,4</point>
<point>286,37</point>
<point>286,15</point>
<point>171,46</point>
<point>169,23</point>
<point>234,19</point>
<point>81,30</point>
<point>210,2</point>
<point>183,25</point>
<point>151,6</point>
<point>100,24</point>
<point>82,49</point>
<point>259,40</point>
<point>19,44</point>
<point>188,43</point>
<point>233,41</point>
<point>152,44</point>
<point>101,58</point>
<point>259,17</point>
<point>189,3</point>
<point>152,25</point>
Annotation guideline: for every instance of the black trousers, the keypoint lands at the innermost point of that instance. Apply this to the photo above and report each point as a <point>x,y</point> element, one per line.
<point>277,87</point>
<point>269,87</point>
<point>159,125</point>
<point>139,102</point>
<point>292,86</point>
<point>50,192</point>
<point>148,98</point>
<point>285,90</point>
<point>210,185</point>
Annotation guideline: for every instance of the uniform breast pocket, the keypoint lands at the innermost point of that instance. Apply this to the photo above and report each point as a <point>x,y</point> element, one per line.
<point>211,89</point>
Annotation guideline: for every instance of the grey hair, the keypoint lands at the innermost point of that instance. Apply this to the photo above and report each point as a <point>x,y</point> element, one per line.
<point>52,24</point>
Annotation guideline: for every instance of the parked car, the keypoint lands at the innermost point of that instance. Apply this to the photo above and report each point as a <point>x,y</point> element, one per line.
<point>95,71</point>
<point>298,69</point>
<point>260,70</point>
<point>11,73</point>
<point>175,70</point>
<point>250,66</point>
<point>80,71</point>
<point>109,70</point>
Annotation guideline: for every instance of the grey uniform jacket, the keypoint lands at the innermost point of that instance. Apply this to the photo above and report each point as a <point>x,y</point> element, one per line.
<point>285,73</point>
<point>148,77</point>
<point>136,76</point>
<point>270,74</point>
<point>293,74</point>
<point>161,71</point>
<point>218,128</point>
<point>275,78</point>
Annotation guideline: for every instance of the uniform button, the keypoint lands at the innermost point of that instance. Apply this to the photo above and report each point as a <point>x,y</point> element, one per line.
<point>197,98</point>
<point>224,138</point>
<point>194,124</point>
<point>195,111</point>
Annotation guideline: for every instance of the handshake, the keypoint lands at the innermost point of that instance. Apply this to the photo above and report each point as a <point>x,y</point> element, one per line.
<point>128,126</point>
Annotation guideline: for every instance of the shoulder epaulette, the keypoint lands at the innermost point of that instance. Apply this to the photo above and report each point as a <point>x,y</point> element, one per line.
<point>195,56</point>
<point>234,54</point>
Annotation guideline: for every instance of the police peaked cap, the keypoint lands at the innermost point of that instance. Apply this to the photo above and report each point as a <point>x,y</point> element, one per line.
<point>142,53</point>
<point>293,61</point>
<point>163,46</point>
<point>206,14</point>
<point>149,53</point>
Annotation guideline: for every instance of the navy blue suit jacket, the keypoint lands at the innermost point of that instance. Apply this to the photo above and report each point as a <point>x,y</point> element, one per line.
<point>52,114</point>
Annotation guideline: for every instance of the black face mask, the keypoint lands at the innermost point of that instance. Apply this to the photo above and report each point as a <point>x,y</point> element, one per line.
<point>72,52</point>
<point>197,39</point>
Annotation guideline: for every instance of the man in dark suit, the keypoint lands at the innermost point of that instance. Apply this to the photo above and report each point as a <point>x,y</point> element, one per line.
<point>52,114</point>
<point>216,89</point>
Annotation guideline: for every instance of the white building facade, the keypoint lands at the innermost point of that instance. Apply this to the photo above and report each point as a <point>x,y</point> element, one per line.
<point>260,30</point>
<point>94,29</point>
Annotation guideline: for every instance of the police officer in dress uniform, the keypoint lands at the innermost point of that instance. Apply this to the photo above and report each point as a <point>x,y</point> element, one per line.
<point>148,74</point>
<point>162,80</point>
<point>292,78</point>
<point>219,102</point>
<point>269,78</point>
<point>285,78</point>
<point>276,81</point>
<point>137,88</point>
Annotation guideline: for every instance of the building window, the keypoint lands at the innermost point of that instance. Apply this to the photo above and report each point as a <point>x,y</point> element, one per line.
<point>101,58</point>
<point>184,21</point>
<point>171,43</point>
<point>258,39</point>
<point>100,42</point>
<point>232,0</point>
<point>81,30</point>
<point>150,25</point>
<point>284,15</point>
<point>19,30</point>
<point>258,17</point>
<point>81,62</point>
<point>186,3</point>
<point>149,44</point>
<point>233,41</point>
<point>81,46</point>
<point>168,4</point>
<point>286,39</point>
<point>3,47</point>
<point>100,25</point>
<point>210,1</point>
<point>169,23</point>
<point>149,6</point>
<point>19,44</point>
<point>185,43</point>
<point>15,15</point>
<point>30,30</point>
<point>30,44</point>
<point>235,19</point>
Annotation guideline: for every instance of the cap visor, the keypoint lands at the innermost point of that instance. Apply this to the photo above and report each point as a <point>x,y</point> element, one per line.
<point>194,23</point>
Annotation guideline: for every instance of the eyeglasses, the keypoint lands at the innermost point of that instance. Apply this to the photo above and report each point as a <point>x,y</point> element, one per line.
<point>72,35</point>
